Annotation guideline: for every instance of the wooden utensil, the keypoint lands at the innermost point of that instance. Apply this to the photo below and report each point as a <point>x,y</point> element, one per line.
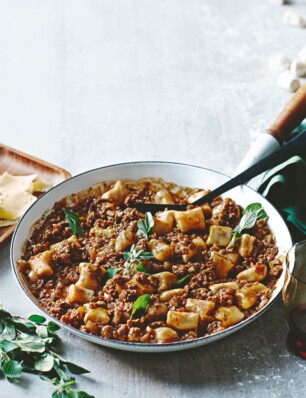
<point>270,140</point>
<point>294,147</point>
<point>290,117</point>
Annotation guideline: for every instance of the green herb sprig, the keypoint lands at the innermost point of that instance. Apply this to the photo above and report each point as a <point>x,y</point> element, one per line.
<point>181,282</point>
<point>133,258</point>
<point>26,345</point>
<point>145,227</point>
<point>141,267</point>
<point>252,213</point>
<point>74,222</point>
<point>140,305</point>
<point>111,272</point>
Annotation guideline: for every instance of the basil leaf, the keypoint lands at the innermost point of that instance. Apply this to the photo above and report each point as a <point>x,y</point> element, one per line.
<point>37,318</point>
<point>74,222</point>
<point>1,326</point>
<point>111,272</point>
<point>76,369</point>
<point>181,282</point>
<point>140,304</point>
<point>44,363</point>
<point>142,268</point>
<point>145,227</point>
<point>12,369</point>
<point>7,346</point>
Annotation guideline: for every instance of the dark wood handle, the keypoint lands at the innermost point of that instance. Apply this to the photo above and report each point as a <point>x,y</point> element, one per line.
<point>290,117</point>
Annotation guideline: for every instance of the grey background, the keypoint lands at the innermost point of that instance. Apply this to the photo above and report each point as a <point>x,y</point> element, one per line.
<point>89,83</point>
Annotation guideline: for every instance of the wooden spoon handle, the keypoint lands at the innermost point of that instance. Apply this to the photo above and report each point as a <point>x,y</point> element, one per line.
<point>290,117</point>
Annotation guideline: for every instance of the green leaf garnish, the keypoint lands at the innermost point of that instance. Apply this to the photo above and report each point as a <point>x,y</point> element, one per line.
<point>133,257</point>
<point>145,227</point>
<point>26,345</point>
<point>74,222</point>
<point>76,369</point>
<point>12,369</point>
<point>140,305</point>
<point>181,282</point>
<point>142,268</point>
<point>252,213</point>
<point>111,272</point>
<point>37,319</point>
<point>52,327</point>
<point>7,346</point>
<point>44,363</point>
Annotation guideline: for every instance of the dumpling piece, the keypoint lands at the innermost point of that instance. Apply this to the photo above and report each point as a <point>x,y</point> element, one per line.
<point>160,249</point>
<point>219,236</point>
<point>221,264</point>
<point>77,294</point>
<point>163,223</point>
<point>190,219</point>
<point>229,315</point>
<point>165,335</point>
<point>117,194</point>
<point>163,197</point>
<point>41,264</point>
<point>183,320</point>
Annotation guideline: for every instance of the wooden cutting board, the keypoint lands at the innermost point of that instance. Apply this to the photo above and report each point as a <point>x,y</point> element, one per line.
<point>18,163</point>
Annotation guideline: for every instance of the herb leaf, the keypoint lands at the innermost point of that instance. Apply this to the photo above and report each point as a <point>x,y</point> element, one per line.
<point>74,222</point>
<point>44,363</point>
<point>253,212</point>
<point>140,305</point>
<point>111,272</point>
<point>181,282</point>
<point>76,369</point>
<point>26,345</point>
<point>7,346</point>
<point>133,258</point>
<point>142,268</point>
<point>37,319</point>
<point>145,227</point>
<point>12,369</point>
<point>52,327</point>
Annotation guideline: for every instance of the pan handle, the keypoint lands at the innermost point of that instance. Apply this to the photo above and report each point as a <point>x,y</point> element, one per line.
<point>271,139</point>
<point>290,117</point>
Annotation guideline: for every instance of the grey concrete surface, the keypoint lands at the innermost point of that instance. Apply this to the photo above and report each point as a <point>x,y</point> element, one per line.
<point>89,83</point>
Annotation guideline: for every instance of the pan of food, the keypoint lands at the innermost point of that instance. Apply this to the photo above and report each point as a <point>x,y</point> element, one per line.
<point>90,258</point>
<point>143,282</point>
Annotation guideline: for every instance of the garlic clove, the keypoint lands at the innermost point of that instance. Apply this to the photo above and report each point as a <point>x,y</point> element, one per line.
<point>288,82</point>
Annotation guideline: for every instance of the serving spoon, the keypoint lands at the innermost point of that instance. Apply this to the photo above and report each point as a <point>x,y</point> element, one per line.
<point>294,147</point>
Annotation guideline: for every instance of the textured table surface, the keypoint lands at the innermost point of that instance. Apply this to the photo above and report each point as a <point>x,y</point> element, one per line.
<point>89,83</point>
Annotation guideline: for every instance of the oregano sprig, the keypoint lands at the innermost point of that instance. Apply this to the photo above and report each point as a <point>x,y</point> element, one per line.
<point>252,213</point>
<point>145,226</point>
<point>27,345</point>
